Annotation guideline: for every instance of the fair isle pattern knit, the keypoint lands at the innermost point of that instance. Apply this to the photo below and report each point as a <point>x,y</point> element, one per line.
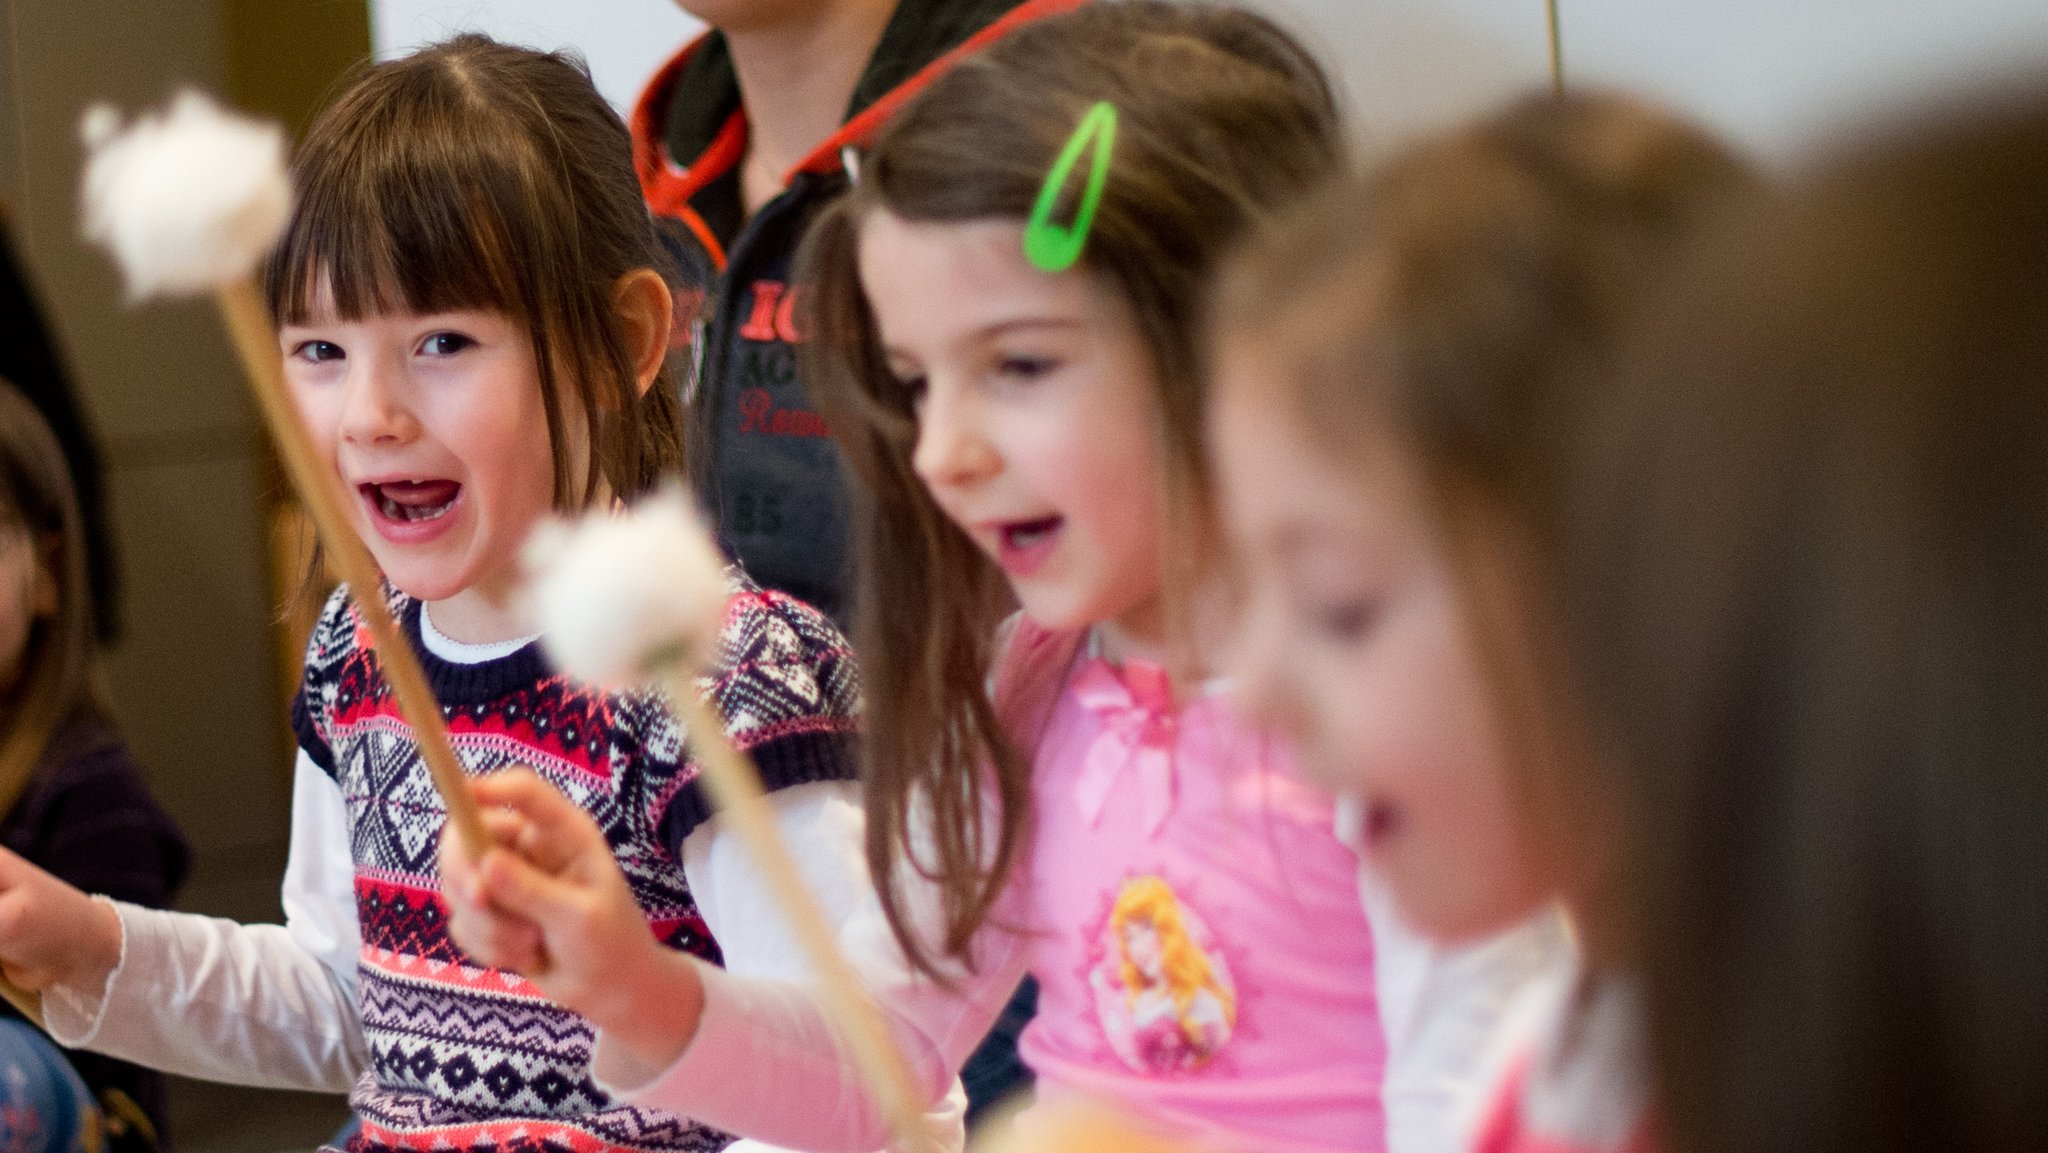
<point>476,1060</point>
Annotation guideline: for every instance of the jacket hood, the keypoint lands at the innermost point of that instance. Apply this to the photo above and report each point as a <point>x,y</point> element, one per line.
<point>689,128</point>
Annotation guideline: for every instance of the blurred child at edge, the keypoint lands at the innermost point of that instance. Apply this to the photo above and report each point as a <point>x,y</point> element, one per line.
<point>1807,557</point>
<point>1394,364</point>
<point>76,803</point>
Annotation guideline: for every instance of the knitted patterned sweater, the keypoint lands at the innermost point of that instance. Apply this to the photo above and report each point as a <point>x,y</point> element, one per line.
<point>469,1058</point>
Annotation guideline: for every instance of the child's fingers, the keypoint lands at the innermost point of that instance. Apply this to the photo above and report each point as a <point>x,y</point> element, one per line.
<point>487,933</point>
<point>552,830</point>
<point>459,881</point>
<point>504,827</point>
<point>498,941</point>
<point>552,849</point>
<point>518,788</point>
<point>517,887</point>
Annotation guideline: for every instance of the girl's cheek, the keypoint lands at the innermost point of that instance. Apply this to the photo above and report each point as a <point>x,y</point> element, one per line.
<point>317,408</point>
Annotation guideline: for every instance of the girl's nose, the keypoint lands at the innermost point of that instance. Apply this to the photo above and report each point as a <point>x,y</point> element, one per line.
<point>373,410</point>
<point>952,449</point>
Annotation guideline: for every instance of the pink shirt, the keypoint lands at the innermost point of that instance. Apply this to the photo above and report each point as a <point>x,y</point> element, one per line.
<point>1198,929</point>
<point>1202,954</point>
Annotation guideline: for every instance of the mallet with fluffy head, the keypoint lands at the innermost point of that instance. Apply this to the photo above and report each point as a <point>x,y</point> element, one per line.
<point>190,200</point>
<point>639,598</point>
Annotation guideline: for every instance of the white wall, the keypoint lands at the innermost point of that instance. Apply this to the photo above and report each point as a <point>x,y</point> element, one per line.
<point>1775,74</point>
<point>1769,73</point>
<point>624,40</point>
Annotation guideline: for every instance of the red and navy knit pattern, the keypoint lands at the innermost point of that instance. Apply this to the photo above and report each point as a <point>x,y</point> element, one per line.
<point>475,1059</point>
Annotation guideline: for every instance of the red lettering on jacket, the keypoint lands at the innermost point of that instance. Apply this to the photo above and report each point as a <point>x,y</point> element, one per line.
<point>760,323</point>
<point>773,314</point>
<point>785,316</point>
<point>759,414</point>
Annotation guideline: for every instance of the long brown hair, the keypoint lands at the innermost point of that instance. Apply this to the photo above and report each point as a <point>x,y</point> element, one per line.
<point>474,174</point>
<point>58,667</point>
<point>1459,300</point>
<point>1810,548</point>
<point>1220,116</point>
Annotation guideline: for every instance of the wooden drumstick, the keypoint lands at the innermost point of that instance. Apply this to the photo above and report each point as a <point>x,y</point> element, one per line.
<point>190,201</point>
<point>625,600</point>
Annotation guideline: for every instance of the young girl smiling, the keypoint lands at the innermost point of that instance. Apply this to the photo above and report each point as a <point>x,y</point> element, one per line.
<point>475,333</point>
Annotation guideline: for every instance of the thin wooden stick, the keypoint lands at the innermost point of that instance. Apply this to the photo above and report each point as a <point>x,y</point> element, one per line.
<point>255,338</point>
<point>1556,49</point>
<point>1080,1125</point>
<point>736,786</point>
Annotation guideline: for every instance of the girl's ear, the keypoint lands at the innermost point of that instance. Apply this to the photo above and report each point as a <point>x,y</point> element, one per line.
<point>647,311</point>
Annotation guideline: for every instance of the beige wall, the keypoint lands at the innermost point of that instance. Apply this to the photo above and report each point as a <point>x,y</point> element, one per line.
<point>193,678</point>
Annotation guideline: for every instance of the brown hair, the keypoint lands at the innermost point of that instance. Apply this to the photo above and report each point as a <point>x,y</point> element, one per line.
<point>473,174</point>
<point>1459,290</point>
<point>58,668</point>
<point>1458,299</point>
<point>1220,114</point>
<point>1811,562</point>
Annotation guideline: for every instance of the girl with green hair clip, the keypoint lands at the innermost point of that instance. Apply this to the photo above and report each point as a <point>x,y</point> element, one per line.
<point>1003,340</point>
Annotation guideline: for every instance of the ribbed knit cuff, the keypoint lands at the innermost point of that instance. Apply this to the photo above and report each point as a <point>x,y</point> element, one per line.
<point>800,759</point>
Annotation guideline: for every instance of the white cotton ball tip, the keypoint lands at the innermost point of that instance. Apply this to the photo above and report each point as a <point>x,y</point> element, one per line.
<point>188,199</point>
<point>619,596</point>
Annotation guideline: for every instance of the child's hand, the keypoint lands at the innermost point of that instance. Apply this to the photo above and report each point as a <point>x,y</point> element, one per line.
<point>51,932</point>
<point>548,901</point>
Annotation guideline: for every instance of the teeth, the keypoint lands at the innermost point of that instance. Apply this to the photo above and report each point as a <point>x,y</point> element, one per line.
<point>411,513</point>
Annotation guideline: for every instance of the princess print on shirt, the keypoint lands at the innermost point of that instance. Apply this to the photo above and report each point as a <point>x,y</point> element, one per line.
<point>1163,994</point>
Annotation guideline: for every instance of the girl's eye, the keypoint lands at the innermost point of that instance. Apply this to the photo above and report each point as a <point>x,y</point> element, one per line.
<point>1025,367</point>
<point>913,386</point>
<point>317,351</point>
<point>1346,622</point>
<point>445,344</point>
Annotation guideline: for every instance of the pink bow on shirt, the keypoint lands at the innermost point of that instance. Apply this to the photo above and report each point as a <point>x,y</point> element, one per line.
<point>1139,724</point>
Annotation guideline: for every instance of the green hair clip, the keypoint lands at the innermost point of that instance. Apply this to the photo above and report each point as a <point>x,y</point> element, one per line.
<point>1052,247</point>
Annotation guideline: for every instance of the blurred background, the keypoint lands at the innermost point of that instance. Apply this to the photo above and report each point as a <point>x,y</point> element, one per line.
<point>209,655</point>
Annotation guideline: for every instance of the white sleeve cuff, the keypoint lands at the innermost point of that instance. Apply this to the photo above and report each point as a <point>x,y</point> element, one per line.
<point>72,1015</point>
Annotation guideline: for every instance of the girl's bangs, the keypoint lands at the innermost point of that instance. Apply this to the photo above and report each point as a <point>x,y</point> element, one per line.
<point>413,217</point>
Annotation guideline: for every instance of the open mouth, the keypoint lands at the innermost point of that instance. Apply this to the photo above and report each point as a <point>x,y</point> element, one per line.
<point>1026,534</point>
<point>412,501</point>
